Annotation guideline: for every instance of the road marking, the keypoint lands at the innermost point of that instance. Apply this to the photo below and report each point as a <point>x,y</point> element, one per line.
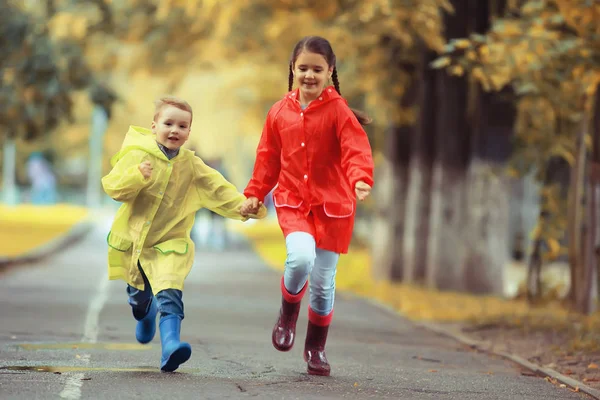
<point>72,389</point>
<point>85,346</point>
<point>70,369</point>
<point>90,332</point>
<point>73,386</point>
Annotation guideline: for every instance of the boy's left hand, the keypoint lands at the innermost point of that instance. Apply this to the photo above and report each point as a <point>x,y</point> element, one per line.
<point>362,190</point>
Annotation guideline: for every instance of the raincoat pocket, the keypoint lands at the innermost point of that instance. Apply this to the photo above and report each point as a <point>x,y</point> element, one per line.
<point>178,246</point>
<point>338,210</point>
<point>118,243</point>
<point>286,199</point>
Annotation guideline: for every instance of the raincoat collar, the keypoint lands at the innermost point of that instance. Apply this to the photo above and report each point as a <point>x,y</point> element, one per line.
<point>140,138</point>
<point>329,94</point>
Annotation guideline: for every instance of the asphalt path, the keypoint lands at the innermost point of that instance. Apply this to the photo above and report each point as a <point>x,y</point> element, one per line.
<point>67,332</point>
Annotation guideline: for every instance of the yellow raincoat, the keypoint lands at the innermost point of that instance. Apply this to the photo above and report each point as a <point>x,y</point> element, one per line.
<point>154,222</point>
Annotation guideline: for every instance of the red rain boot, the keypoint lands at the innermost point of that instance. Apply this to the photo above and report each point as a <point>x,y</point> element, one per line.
<point>284,331</point>
<point>314,347</point>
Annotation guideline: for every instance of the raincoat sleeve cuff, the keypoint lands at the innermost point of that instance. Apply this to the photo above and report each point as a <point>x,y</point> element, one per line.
<point>365,178</point>
<point>122,184</point>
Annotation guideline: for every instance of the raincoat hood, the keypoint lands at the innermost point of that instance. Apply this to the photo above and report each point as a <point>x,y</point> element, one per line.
<point>139,138</point>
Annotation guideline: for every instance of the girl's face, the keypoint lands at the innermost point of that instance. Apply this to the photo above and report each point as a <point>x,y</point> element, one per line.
<point>311,74</point>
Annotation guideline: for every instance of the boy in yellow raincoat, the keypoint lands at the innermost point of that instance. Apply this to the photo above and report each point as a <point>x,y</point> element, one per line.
<point>161,186</point>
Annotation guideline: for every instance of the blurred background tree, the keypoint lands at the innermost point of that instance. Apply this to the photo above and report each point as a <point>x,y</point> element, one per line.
<point>472,100</point>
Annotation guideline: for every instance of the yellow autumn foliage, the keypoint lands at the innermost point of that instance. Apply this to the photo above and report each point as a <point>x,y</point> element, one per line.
<point>26,228</point>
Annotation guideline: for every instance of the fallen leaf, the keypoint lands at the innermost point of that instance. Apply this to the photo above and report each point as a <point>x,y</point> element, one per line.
<point>562,385</point>
<point>355,384</point>
<point>77,356</point>
<point>575,390</point>
<point>593,366</point>
<point>591,379</point>
<point>433,370</point>
<point>553,381</point>
<point>426,359</point>
<point>528,373</point>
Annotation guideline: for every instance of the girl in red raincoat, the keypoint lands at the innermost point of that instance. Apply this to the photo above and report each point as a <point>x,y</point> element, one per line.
<point>314,149</point>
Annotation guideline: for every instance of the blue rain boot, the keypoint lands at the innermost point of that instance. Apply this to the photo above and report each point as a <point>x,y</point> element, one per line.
<point>174,352</point>
<point>146,326</point>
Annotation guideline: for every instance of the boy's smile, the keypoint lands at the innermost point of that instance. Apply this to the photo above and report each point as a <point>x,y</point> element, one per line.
<point>172,127</point>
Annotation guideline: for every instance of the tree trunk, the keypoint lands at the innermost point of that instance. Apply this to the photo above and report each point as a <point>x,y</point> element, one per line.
<point>416,228</point>
<point>487,216</point>
<point>595,171</point>
<point>94,194</point>
<point>575,216</point>
<point>387,214</point>
<point>10,195</point>
<point>556,171</point>
<point>587,302</point>
<point>446,244</point>
<point>488,195</point>
<point>388,227</point>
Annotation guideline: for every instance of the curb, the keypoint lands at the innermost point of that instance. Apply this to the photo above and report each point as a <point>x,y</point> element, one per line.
<point>536,369</point>
<point>485,347</point>
<point>76,232</point>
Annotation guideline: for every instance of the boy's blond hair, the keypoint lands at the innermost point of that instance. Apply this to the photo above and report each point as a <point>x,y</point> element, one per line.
<point>171,101</point>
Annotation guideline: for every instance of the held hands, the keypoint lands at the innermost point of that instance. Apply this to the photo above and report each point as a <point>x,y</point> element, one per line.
<point>146,169</point>
<point>250,207</point>
<point>362,190</point>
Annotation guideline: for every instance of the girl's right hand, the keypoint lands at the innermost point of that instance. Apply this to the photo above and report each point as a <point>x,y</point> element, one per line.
<point>146,169</point>
<point>250,206</point>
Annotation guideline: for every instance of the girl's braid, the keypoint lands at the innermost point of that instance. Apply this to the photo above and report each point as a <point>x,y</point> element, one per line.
<point>336,82</point>
<point>290,79</point>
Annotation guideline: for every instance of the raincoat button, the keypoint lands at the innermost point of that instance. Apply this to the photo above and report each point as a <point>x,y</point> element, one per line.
<point>329,90</point>
<point>305,176</point>
<point>160,193</point>
<point>301,114</point>
<point>169,164</point>
<point>138,251</point>
<point>320,98</point>
<point>147,222</point>
<point>302,144</point>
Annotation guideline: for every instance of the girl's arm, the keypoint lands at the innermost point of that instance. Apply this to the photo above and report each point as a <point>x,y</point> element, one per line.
<point>218,194</point>
<point>357,158</point>
<point>268,162</point>
<point>125,180</point>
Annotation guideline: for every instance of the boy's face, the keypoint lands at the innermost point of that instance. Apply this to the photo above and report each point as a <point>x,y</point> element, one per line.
<point>172,127</point>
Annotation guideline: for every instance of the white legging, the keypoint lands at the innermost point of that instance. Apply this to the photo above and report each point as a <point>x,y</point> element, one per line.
<point>304,259</point>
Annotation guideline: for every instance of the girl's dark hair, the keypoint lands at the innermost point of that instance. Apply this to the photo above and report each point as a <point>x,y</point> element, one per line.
<point>320,45</point>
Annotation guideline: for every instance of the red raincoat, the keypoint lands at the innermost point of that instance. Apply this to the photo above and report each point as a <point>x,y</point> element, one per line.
<point>315,157</point>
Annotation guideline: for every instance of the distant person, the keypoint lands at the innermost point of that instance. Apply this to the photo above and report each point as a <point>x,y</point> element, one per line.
<point>315,150</point>
<point>43,181</point>
<point>161,186</point>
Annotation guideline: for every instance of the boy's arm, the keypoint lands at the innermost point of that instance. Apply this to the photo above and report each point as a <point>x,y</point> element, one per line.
<point>219,195</point>
<point>125,180</point>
